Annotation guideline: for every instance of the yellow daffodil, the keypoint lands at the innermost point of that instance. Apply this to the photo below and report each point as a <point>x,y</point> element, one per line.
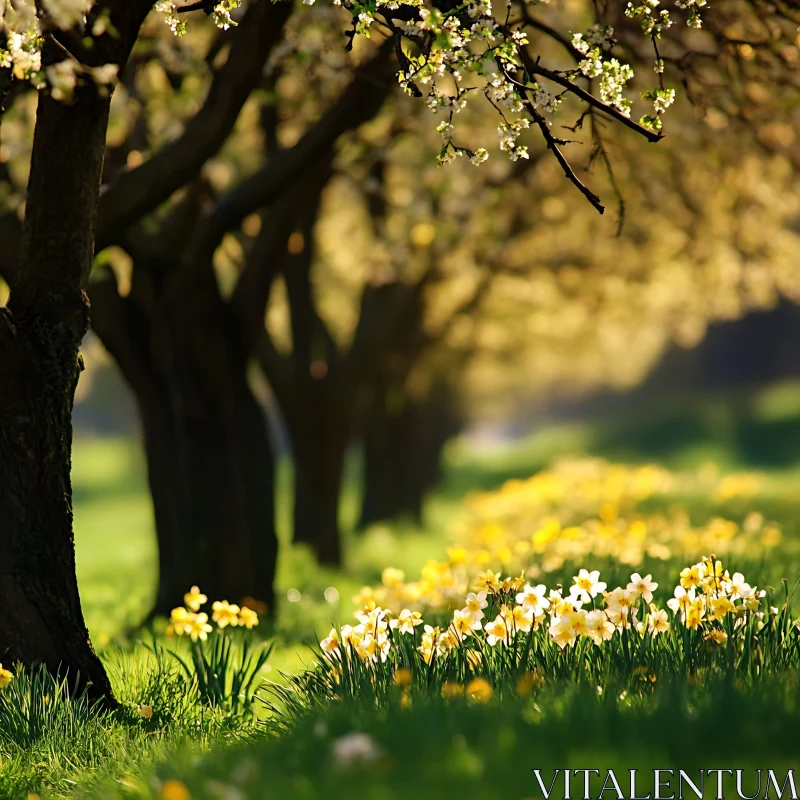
<point>5,677</point>
<point>194,598</point>
<point>248,618</point>
<point>225,613</point>
<point>197,626</point>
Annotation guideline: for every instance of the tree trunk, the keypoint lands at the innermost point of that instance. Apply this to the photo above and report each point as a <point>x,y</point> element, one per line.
<point>403,441</point>
<point>319,457</point>
<point>209,457</point>
<point>40,334</point>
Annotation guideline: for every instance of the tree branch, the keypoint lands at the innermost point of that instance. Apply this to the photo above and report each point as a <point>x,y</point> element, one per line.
<point>534,68</point>
<point>358,103</point>
<point>136,192</point>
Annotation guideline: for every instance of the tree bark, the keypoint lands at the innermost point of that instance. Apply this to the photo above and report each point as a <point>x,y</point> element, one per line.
<point>209,457</point>
<point>320,446</point>
<point>40,333</point>
<point>403,442</point>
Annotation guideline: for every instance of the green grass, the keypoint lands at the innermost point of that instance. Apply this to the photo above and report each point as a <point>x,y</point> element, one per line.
<point>434,748</point>
<point>442,749</point>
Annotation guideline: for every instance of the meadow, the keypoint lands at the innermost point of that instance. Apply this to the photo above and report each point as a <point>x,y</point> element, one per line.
<point>461,674</point>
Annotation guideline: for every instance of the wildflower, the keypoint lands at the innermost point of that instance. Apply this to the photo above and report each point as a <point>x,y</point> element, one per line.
<point>370,648</point>
<point>365,598</point>
<point>406,621</point>
<point>657,620</point>
<point>475,603</point>
<point>599,627</point>
<point>194,598</point>
<point>691,577</point>
<point>694,614</point>
<point>330,644</point>
<point>522,619</point>
<point>259,606</point>
<point>224,613</point>
<point>642,587</point>
<point>562,630</point>
<point>738,588</point>
<point>532,598</point>
<point>5,677</point>
<point>248,618</point>
<point>587,585</point>
<point>197,626</point>
<point>179,619</point>
<point>618,605</point>
<point>464,623</point>
<point>681,600</point>
<point>718,636</point>
<point>512,584</point>
<point>563,605</point>
<point>351,636</point>
<point>479,690</point>
<point>448,639</point>
<point>474,659</point>
<point>145,711</point>
<point>497,631</point>
<point>489,581</point>
<point>719,607</point>
<point>457,555</point>
<point>354,748</point>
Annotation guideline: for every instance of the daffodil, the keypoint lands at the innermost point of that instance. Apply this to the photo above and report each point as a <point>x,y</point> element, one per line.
<point>691,577</point>
<point>403,677</point>
<point>406,621</point>
<point>247,617</point>
<point>739,589</point>
<point>489,581</point>
<point>464,623</point>
<point>194,598</point>
<point>642,587</point>
<point>657,620</point>
<point>6,677</point>
<point>497,632</point>
<point>475,603</point>
<point>587,585</point>
<point>681,600</point>
<point>197,626</point>
<point>225,613</point>
<point>533,598</point>
<point>599,628</point>
<point>522,619</point>
<point>330,644</point>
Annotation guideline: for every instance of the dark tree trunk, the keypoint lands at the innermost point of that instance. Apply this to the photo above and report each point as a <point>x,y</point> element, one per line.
<point>403,441</point>
<point>209,457</point>
<point>319,440</point>
<point>40,333</point>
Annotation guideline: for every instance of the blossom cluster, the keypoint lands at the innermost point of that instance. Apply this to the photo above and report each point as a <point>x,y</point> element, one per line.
<point>502,611</point>
<point>189,620</point>
<point>577,510</point>
<point>469,50</point>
